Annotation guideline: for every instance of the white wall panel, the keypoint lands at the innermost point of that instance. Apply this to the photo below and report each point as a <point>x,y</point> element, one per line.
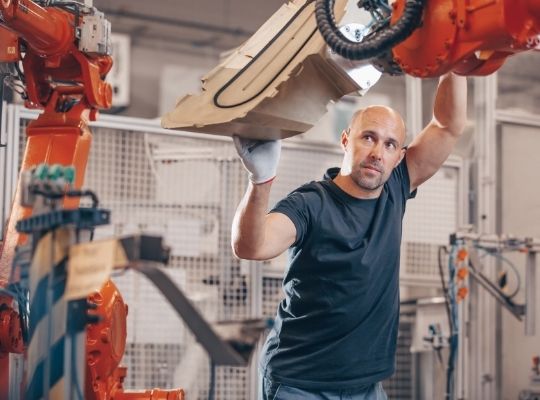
<point>520,216</point>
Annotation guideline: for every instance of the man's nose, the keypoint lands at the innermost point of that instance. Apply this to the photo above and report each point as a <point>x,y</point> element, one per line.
<point>377,151</point>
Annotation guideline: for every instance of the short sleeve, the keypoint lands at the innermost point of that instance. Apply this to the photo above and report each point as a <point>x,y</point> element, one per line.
<point>300,206</point>
<point>402,174</point>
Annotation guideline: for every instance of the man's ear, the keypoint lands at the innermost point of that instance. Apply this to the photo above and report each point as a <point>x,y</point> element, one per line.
<point>344,140</point>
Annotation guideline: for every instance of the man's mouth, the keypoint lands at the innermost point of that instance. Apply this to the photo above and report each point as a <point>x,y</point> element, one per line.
<point>372,168</point>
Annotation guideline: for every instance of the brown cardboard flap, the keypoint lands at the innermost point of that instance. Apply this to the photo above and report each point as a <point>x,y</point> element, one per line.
<point>277,84</point>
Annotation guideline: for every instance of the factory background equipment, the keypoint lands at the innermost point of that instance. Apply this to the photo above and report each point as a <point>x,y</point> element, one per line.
<point>73,319</point>
<point>74,101</point>
<point>64,49</point>
<point>146,174</point>
<point>254,91</point>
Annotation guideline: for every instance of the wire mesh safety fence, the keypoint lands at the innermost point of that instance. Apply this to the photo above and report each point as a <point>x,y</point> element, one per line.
<point>186,188</point>
<point>400,385</point>
<point>428,221</point>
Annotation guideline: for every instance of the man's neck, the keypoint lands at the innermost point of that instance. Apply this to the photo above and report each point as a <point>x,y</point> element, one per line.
<point>345,183</point>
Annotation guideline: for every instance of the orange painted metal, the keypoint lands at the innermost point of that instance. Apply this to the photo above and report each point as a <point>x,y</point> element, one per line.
<point>468,37</point>
<point>48,32</point>
<point>48,143</point>
<point>9,46</point>
<point>105,344</point>
<point>52,56</point>
<point>154,394</point>
<point>56,137</point>
<point>61,135</point>
<point>87,72</point>
<point>4,375</point>
<point>10,328</point>
<point>10,341</point>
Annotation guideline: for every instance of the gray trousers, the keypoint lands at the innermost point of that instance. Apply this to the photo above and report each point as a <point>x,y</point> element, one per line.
<point>275,391</point>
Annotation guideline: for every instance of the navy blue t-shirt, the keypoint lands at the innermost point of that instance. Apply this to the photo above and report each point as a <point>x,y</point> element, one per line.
<point>337,325</point>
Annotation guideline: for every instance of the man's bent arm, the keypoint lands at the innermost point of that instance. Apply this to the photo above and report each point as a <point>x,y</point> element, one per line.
<point>257,235</point>
<point>430,149</point>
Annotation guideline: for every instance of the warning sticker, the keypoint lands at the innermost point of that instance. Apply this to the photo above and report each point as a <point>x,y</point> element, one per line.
<point>90,265</point>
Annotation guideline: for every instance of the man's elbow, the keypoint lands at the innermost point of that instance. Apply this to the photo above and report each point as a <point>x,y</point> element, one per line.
<point>454,126</point>
<point>243,252</point>
<point>457,127</point>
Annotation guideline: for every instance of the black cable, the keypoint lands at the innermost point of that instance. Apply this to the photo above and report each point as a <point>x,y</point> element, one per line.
<point>506,261</point>
<point>445,289</point>
<point>61,4</point>
<point>218,94</point>
<point>70,193</point>
<point>84,193</point>
<point>20,73</point>
<point>212,383</point>
<point>374,44</point>
<point>48,195</point>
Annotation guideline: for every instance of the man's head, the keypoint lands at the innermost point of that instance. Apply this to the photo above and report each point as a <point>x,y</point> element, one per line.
<point>373,146</point>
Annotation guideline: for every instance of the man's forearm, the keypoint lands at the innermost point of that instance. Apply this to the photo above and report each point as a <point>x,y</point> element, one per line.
<point>450,108</point>
<point>248,233</point>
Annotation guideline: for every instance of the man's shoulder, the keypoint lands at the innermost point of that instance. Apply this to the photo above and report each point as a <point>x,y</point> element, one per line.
<point>399,180</point>
<point>310,194</point>
<point>312,189</point>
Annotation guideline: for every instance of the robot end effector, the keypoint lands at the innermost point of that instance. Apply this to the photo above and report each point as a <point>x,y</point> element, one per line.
<point>430,38</point>
<point>422,38</point>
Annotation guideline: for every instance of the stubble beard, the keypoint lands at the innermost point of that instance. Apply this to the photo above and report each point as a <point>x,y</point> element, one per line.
<point>367,182</point>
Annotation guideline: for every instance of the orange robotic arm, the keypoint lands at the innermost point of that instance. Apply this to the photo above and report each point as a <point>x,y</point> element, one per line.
<point>65,59</point>
<point>427,38</point>
<point>69,85</point>
<point>468,37</point>
<point>64,50</point>
<point>52,54</point>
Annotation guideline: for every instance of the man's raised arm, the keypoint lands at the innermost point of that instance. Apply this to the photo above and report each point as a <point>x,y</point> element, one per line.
<point>430,149</point>
<point>257,235</point>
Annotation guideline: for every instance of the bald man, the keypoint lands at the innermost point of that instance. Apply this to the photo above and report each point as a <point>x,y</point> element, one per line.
<point>335,332</point>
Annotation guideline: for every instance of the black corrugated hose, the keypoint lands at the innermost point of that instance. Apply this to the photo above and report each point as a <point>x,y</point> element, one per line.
<point>372,46</point>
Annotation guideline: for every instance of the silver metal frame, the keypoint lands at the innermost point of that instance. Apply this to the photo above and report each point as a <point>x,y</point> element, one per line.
<point>518,118</point>
<point>478,357</point>
<point>530,294</point>
<point>413,93</point>
<point>3,166</point>
<point>463,187</point>
<point>507,243</point>
<point>9,160</point>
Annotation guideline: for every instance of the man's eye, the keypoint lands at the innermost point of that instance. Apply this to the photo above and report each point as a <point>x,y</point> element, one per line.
<point>391,146</point>
<point>368,138</point>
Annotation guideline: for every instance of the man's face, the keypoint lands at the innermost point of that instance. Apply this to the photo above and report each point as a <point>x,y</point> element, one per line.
<point>373,147</point>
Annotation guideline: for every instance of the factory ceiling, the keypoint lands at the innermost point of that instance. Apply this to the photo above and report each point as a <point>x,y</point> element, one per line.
<point>211,25</point>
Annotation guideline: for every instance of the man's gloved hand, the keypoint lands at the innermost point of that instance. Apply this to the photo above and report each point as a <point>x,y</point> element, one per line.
<point>260,157</point>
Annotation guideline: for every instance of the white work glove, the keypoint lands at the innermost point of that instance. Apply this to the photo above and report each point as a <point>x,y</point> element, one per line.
<point>260,157</point>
